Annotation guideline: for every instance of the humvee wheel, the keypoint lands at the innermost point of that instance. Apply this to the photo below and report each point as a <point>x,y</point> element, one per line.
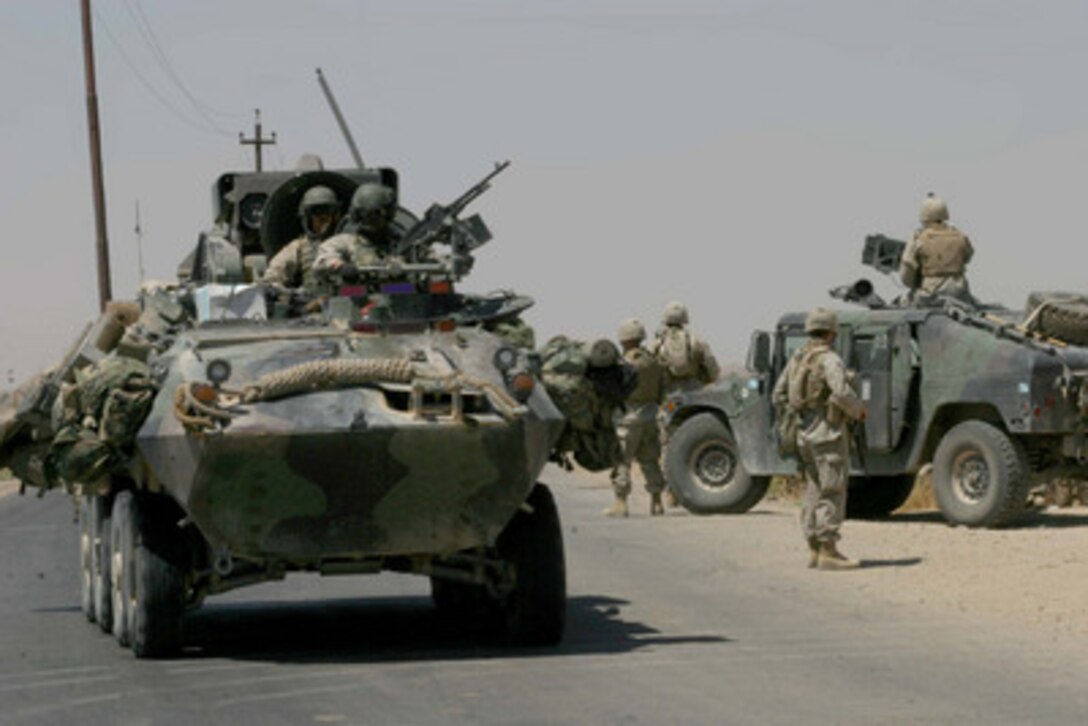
<point>120,569</point>
<point>877,496</point>
<point>703,468</point>
<point>980,477</point>
<point>157,598</point>
<point>534,609</point>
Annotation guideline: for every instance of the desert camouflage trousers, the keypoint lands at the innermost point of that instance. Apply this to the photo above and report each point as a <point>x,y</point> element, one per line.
<point>638,442</point>
<point>826,468</point>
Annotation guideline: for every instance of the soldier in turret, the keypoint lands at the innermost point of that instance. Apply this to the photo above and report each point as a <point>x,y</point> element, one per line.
<point>935,261</point>
<point>292,266</point>
<point>814,389</point>
<point>636,426</point>
<point>372,208</point>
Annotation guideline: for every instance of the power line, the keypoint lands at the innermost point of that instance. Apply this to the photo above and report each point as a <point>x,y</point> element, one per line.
<point>147,84</point>
<point>152,41</point>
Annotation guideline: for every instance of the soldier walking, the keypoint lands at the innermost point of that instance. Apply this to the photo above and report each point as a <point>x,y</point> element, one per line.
<point>687,361</point>
<point>935,261</point>
<point>636,427</point>
<point>813,391</point>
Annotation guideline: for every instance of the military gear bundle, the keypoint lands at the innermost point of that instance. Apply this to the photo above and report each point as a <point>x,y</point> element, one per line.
<point>587,404</point>
<point>102,414</point>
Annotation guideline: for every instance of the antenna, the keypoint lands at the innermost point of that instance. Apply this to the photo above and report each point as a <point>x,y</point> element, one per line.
<point>139,244</point>
<point>340,119</point>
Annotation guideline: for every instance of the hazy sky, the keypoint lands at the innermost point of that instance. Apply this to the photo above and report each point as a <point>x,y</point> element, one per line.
<point>731,155</point>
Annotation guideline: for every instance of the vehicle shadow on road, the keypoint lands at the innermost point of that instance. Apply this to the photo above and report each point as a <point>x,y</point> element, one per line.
<point>402,629</point>
<point>1056,518</point>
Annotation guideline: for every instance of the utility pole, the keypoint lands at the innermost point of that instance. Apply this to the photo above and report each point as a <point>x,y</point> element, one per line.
<point>139,243</point>
<point>257,141</point>
<point>102,246</point>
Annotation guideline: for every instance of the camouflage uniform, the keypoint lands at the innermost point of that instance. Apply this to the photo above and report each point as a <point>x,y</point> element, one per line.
<point>373,207</point>
<point>814,387</point>
<point>935,260</point>
<point>350,248</point>
<point>293,265</point>
<point>637,426</point>
<point>688,362</point>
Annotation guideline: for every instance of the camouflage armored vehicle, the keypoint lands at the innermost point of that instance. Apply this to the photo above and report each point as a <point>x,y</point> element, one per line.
<point>221,432</point>
<point>980,394</point>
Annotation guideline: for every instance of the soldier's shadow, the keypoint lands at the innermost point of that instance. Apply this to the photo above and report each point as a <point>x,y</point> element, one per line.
<point>402,629</point>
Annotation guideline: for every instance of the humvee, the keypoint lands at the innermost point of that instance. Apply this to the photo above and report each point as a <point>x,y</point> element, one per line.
<point>981,394</point>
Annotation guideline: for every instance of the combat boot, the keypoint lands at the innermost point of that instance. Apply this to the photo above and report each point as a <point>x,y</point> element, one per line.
<point>618,508</point>
<point>813,552</point>
<point>671,499</point>
<point>830,558</point>
<point>656,507</point>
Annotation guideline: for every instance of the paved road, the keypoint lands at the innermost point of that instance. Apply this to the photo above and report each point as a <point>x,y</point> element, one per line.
<point>671,620</point>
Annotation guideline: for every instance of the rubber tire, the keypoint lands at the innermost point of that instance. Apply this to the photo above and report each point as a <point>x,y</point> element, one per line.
<point>122,548</point>
<point>875,497</point>
<point>741,492</point>
<point>534,611</point>
<point>1065,318</point>
<point>1004,497</point>
<point>158,601</point>
<point>103,592</point>
<point>86,557</point>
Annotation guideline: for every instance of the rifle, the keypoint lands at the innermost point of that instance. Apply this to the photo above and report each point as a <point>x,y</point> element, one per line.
<point>440,223</point>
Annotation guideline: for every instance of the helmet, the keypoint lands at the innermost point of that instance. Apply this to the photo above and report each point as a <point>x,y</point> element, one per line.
<point>371,197</point>
<point>318,197</point>
<point>933,210</point>
<point>603,353</point>
<point>631,329</point>
<point>675,314</point>
<point>822,320</point>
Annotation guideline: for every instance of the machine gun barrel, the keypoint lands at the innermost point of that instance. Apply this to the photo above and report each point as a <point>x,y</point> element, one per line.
<point>439,219</point>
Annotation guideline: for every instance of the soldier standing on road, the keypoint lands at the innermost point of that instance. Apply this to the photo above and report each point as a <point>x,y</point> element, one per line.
<point>814,389</point>
<point>372,208</point>
<point>935,260</point>
<point>637,425</point>
<point>688,362</point>
<point>292,266</point>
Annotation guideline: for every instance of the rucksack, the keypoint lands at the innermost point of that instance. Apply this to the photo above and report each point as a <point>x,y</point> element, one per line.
<point>677,352</point>
<point>807,384</point>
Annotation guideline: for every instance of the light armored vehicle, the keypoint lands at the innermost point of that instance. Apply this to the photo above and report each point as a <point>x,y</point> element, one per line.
<point>221,432</point>
<point>989,398</point>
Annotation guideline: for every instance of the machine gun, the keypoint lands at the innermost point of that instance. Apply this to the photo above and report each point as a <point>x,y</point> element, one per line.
<point>440,224</point>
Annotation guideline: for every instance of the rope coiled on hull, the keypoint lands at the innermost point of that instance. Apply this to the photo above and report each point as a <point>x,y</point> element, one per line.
<point>328,375</point>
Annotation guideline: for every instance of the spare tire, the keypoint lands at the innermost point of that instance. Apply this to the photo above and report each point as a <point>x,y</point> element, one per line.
<point>1063,315</point>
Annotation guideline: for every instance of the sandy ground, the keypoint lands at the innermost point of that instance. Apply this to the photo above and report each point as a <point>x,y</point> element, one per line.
<point>1033,575</point>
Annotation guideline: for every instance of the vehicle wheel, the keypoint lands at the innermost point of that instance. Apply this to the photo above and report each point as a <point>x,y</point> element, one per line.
<point>534,609</point>
<point>86,558</point>
<point>1065,317</point>
<point>100,563</point>
<point>157,601</point>
<point>877,496</point>
<point>980,476</point>
<point>121,569</point>
<point>703,468</point>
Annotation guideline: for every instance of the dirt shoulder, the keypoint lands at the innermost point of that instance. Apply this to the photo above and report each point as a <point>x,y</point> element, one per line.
<point>8,486</point>
<point>1029,575</point>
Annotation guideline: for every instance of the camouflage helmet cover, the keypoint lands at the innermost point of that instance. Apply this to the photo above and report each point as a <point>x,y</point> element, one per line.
<point>933,210</point>
<point>319,196</point>
<point>603,353</point>
<point>675,314</point>
<point>370,197</point>
<point>822,320</point>
<point>631,329</point>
